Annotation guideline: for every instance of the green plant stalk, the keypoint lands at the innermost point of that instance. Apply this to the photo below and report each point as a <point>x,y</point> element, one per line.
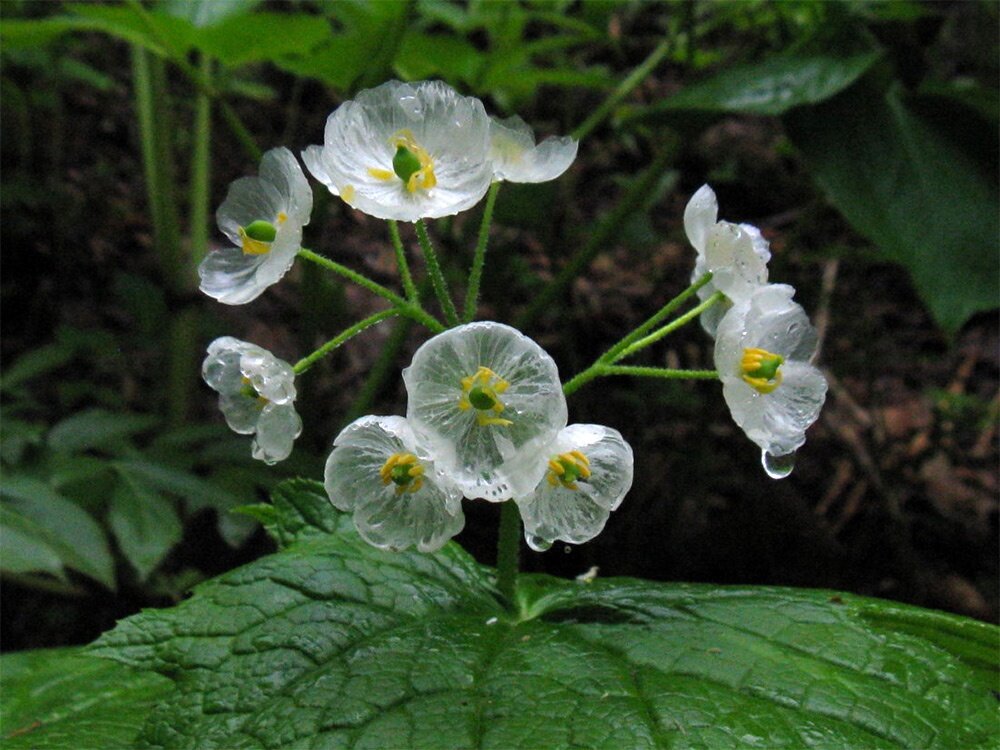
<point>182,372</point>
<point>671,326</point>
<point>613,354</point>
<point>404,266</point>
<point>379,372</point>
<point>508,550</point>
<point>409,309</point>
<point>200,164</point>
<point>602,369</point>
<point>601,237</point>
<point>623,89</point>
<point>437,277</point>
<point>306,362</point>
<point>479,258</point>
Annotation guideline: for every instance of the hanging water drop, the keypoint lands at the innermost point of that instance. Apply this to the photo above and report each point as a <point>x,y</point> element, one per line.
<point>778,467</point>
<point>537,543</point>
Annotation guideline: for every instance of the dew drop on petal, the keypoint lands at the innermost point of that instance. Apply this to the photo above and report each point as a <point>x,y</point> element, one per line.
<point>411,106</point>
<point>538,544</point>
<point>778,467</point>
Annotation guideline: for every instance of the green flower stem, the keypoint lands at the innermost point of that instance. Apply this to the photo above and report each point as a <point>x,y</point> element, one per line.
<point>671,326</point>
<point>404,267</point>
<point>623,89</point>
<point>200,159</point>
<point>615,352</point>
<point>508,550</point>
<point>605,233</point>
<point>409,309</point>
<point>479,259</point>
<point>602,369</point>
<point>437,277</point>
<point>306,362</point>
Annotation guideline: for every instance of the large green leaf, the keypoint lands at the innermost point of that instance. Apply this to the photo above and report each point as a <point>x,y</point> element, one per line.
<point>144,522</point>
<point>97,428</point>
<point>331,643</point>
<point>927,200</point>
<point>57,699</point>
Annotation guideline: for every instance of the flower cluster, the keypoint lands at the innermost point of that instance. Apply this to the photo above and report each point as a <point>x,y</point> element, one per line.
<point>763,340</point>
<point>486,419</point>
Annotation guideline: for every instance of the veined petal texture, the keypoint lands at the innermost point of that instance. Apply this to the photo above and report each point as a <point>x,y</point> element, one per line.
<point>516,158</point>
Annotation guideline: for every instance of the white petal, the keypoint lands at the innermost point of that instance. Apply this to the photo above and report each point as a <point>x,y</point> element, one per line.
<point>712,316</point>
<point>277,428</point>
<point>272,378</point>
<point>737,269</point>
<point>495,462</point>
<point>700,215</point>
<point>249,199</point>
<point>426,518</point>
<point>279,168</point>
<point>576,516</point>
<point>516,158</point>
<point>312,156</point>
<point>779,325</point>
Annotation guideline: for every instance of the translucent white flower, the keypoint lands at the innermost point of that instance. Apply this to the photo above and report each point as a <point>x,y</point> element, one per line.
<point>736,254</point>
<point>380,472</point>
<point>263,217</point>
<point>256,395</point>
<point>516,158</point>
<point>589,472</point>
<point>406,151</point>
<point>488,402</point>
<point>762,352</point>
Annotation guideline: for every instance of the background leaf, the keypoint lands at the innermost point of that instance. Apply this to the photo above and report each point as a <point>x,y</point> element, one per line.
<point>331,642</point>
<point>912,190</point>
<point>144,522</point>
<point>96,428</point>
<point>58,699</point>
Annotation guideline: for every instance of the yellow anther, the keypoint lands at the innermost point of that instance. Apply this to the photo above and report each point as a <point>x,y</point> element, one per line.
<point>759,369</point>
<point>480,391</point>
<point>347,194</point>
<point>282,217</point>
<point>380,174</point>
<point>252,246</point>
<point>566,468</point>
<point>404,470</point>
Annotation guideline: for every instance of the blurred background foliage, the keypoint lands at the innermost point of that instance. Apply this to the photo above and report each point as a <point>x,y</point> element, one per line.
<point>861,136</point>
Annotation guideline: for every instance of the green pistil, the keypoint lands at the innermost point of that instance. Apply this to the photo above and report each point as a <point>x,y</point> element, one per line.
<point>405,163</point>
<point>768,367</point>
<point>481,399</point>
<point>571,472</point>
<point>400,474</point>
<point>260,230</point>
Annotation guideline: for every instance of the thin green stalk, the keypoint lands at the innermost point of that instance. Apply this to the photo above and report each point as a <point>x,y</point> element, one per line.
<point>408,309</point>
<point>508,550</point>
<point>602,369</point>
<point>200,160</point>
<point>671,326</point>
<point>437,277</point>
<point>239,130</point>
<point>479,259</point>
<point>380,371</point>
<point>182,367</point>
<point>404,266</point>
<point>306,362</point>
<point>633,79</point>
<point>613,354</point>
<point>608,228</point>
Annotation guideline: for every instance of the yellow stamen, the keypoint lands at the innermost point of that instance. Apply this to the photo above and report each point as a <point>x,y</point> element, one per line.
<point>347,194</point>
<point>410,480</point>
<point>381,174</point>
<point>252,246</point>
<point>423,178</point>
<point>481,392</point>
<point>759,369</point>
<point>566,468</point>
<point>282,217</point>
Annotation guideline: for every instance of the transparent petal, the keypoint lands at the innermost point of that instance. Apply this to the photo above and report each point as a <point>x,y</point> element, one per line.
<point>249,199</point>
<point>729,335</point>
<point>700,215</point>
<point>576,516</point>
<point>737,269</point>
<point>312,157</point>
<point>426,518</point>
<point>776,323</point>
<point>277,428</point>
<point>516,158</point>
<point>272,378</point>
<point>241,412</point>
<point>230,276</point>
<point>712,316</point>
<point>221,368</point>
<point>279,168</point>
<point>453,129</point>
<point>492,461</point>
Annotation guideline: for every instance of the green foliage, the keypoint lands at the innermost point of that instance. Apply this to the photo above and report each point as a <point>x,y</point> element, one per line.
<point>333,642</point>
<point>58,699</point>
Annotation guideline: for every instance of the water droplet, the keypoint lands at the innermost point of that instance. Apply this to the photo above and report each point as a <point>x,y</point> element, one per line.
<point>411,106</point>
<point>537,543</point>
<point>778,467</point>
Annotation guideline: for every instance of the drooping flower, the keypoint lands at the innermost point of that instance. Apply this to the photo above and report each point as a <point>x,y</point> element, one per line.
<point>516,158</point>
<point>589,471</point>
<point>736,254</point>
<point>488,402</point>
<point>380,472</point>
<point>263,217</point>
<point>406,151</point>
<point>762,352</point>
<point>256,395</point>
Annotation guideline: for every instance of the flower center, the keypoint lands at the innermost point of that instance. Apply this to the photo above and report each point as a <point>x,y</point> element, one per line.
<point>250,392</point>
<point>257,236</point>
<point>404,471</point>
<point>567,468</point>
<point>759,369</point>
<point>412,164</point>
<point>481,392</point>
